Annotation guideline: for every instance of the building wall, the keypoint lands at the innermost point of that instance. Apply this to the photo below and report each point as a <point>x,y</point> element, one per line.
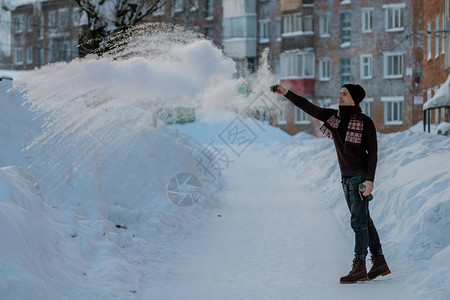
<point>204,16</point>
<point>434,73</point>
<point>44,32</point>
<point>375,43</point>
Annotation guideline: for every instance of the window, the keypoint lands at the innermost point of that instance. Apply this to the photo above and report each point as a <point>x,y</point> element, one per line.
<point>30,55</point>
<point>178,5</point>
<point>297,64</point>
<point>324,69</point>
<point>18,24</point>
<point>41,27</point>
<point>29,23</point>
<point>18,56</point>
<point>52,18</point>
<point>281,118</point>
<point>345,70</point>
<point>393,65</point>
<point>443,34</point>
<point>264,31</point>
<point>194,5</point>
<point>160,10</point>
<point>209,8</point>
<point>436,50</point>
<point>366,20</point>
<point>240,27</point>
<point>393,110</point>
<point>41,56</point>
<point>366,106</point>
<point>75,17</point>
<point>394,20</point>
<point>209,32</point>
<point>429,41</point>
<point>308,24</point>
<point>292,24</point>
<point>325,103</point>
<point>366,66</point>
<point>63,18</point>
<point>324,25</point>
<point>301,117</point>
<point>346,29</point>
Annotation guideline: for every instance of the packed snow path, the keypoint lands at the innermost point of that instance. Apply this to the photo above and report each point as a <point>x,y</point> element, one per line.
<point>272,240</point>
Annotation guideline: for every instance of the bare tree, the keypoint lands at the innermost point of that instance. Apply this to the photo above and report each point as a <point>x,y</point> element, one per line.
<point>103,18</point>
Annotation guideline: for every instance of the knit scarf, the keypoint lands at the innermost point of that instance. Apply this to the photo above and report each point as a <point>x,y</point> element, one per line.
<point>354,131</point>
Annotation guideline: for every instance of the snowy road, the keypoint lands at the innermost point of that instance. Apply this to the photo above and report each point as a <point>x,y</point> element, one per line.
<point>273,240</point>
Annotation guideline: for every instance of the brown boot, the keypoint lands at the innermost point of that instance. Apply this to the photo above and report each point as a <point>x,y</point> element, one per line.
<point>379,267</point>
<point>358,272</point>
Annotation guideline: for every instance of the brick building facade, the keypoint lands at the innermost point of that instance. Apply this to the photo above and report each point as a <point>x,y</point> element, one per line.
<point>374,43</point>
<point>434,71</point>
<point>44,32</point>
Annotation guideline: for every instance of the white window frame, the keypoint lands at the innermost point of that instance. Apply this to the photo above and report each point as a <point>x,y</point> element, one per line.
<point>52,18</point>
<point>369,65</point>
<point>324,25</point>
<point>394,101</point>
<point>397,10</point>
<point>324,69</point>
<point>366,106</point>
<point>75,17</point>
<point>437,39</point>
<point>386,56</point>
<point>429,41</point>
<point>300,117</point>
<point>294,64</point>
<point>178,6</point>
<point>18,24</point>
<point>29,23</point>
<point>18,56</point>
<point>29,54</point>
<point>429,94</point>
<point>41,27</point>
<point>264,36</point>
<point>366,13</point>
<point>443,35</point>
<point>347,29</point>
<point>281,116</point>
<point>292,25</point>
<point>63,17</point>
<point>308,24</point>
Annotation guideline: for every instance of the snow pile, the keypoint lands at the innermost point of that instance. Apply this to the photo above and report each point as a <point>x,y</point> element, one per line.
<point>51,254</point>
<point>411,199</point>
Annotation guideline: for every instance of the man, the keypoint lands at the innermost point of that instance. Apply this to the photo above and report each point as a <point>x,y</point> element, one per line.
<point>355,140</point>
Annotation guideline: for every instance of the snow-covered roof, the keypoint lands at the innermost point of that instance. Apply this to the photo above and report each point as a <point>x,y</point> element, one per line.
<point>441,98</point>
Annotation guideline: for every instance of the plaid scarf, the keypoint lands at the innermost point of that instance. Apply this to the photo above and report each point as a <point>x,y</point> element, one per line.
<point>354,131</point>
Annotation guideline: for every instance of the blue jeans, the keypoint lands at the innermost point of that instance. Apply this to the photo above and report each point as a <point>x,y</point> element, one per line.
<point>366,235</point>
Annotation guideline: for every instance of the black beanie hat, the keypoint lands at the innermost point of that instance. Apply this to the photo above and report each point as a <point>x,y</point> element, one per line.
<point>356,91</point>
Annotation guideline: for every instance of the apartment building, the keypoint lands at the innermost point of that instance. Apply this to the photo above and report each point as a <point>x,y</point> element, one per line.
<point>297,62</point>
<point>435,74</point>
<point>378,44</point>
<point>204,16</point>
<point>44,32</point>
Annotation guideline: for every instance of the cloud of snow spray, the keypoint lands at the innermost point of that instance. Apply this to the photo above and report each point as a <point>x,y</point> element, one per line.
<point>107,109</point>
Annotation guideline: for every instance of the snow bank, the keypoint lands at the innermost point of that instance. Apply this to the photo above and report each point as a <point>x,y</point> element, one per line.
<point>50,254</point>
<point>411,199</point>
